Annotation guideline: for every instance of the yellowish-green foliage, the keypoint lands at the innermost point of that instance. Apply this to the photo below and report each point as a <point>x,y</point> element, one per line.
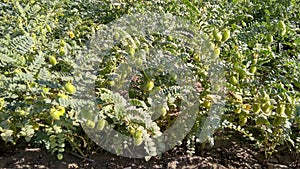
<point>258,42</point>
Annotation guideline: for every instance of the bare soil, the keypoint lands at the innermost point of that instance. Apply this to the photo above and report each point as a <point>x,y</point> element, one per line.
<point>230,153</point>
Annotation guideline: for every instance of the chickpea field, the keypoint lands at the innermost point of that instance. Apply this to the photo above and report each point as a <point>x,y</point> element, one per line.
<point>150,84</point>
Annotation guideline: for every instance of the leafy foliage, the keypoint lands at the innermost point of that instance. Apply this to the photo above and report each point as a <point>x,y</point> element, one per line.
<point>257,41</point>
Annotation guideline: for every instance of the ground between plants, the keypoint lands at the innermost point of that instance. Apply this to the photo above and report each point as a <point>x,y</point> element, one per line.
<point>226,153</point>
